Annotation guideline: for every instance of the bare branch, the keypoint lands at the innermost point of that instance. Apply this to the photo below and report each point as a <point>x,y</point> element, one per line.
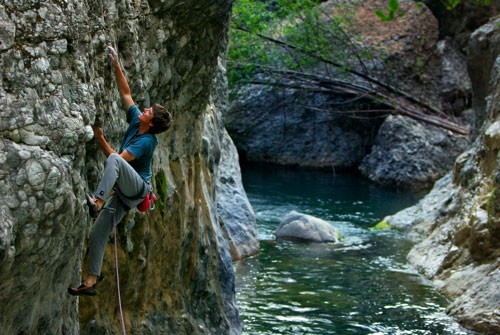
<point>315,83</point>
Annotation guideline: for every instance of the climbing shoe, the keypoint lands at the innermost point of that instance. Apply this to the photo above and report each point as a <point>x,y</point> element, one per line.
<point>83,290</point>
<point>93,212</point>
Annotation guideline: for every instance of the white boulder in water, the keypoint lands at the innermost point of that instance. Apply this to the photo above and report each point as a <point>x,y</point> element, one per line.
<point>298,226</point>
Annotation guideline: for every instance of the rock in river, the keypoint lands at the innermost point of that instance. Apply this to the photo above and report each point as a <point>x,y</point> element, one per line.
<point>298,226</point>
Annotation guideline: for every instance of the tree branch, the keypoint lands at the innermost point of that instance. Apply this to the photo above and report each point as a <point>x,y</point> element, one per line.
<point>315,83</point>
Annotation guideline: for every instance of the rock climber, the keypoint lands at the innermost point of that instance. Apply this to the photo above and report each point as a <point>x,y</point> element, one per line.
<point>127,174</point>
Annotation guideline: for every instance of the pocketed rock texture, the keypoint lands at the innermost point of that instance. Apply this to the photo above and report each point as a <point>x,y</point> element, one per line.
<point>175,266</point>
<point>460,218</point>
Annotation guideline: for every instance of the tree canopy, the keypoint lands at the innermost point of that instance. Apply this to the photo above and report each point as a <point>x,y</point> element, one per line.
<point>298,44</point>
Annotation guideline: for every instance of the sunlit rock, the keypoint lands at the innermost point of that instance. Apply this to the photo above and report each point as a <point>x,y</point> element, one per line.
<point>235,212</point>
<point>303,227</point>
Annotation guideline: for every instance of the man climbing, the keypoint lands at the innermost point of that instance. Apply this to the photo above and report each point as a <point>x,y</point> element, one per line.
<point>127,174</point>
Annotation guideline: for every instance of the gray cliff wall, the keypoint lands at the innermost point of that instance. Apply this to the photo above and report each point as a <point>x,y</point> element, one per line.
<point>460,218</point>
<point>175,265</point>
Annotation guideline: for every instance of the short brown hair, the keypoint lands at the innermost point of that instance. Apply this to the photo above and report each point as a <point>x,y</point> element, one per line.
<point>161,120</point>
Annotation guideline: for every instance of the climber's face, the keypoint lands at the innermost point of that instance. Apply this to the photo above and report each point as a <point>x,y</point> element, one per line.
<point>147,115</point>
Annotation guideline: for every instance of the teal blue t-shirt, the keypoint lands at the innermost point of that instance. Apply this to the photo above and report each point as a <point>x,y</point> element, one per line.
<point>141,146</point>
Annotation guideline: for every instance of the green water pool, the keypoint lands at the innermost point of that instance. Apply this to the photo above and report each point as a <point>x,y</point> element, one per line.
<point>360,286</point>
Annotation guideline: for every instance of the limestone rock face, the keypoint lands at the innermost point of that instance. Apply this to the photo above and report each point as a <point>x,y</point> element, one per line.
<point>460,218</point>
<point>234,211</point>
<point>175,265</point>
<point>303,227</point>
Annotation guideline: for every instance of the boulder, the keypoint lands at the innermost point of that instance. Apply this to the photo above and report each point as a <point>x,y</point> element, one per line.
<point>410,154</point>
<point>298,226</point>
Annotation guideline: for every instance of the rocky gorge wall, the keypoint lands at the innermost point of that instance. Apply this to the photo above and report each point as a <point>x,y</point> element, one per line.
<point>458,222</point>
<point>297,128</point>
<point>175,264</point>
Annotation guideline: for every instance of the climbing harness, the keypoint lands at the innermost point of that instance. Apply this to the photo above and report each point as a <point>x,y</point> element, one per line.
<point>149,201</point>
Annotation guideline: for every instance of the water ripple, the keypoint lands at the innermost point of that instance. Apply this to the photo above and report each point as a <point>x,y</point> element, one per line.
<point>362,285</point>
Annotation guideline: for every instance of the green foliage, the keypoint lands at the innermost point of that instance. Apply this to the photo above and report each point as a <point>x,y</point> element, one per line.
<point>250,18</point>
<point>340,236</point>
<point>299,23</point>
<point>450,4</point>
<point>493,205</point>
<point>392,7</point>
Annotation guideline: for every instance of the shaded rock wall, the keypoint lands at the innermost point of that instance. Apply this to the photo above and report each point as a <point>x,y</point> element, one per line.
<point>176,271</point>
<point>464,19</point>
<point>276,126</point>
<point>235,212</point>
<point>460,218</point>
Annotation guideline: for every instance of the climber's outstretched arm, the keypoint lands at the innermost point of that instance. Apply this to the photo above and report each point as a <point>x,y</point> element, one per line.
<point>106,148</point>
<point>121,81</point>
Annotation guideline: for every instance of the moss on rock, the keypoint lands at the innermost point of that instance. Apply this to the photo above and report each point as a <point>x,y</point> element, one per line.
<point>383,224</point>
<point>161,188</point>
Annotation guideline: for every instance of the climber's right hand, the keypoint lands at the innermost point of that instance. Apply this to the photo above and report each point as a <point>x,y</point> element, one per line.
<point>98,133</point>
<point>113,55</point>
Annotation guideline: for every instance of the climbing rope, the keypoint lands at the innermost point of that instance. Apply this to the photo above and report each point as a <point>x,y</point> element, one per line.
<point>151,199</point>
<point>124,330</point>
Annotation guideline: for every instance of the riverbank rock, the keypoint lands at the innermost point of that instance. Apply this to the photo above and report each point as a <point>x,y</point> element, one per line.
<point>56,82</point>
<point>459,221</point>
<point>410,154</point>
<point>303,227</point>
<point>425,212</point>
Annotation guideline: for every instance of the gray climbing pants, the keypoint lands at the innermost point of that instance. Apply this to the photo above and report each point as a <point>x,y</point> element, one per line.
<point>130,190</point>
